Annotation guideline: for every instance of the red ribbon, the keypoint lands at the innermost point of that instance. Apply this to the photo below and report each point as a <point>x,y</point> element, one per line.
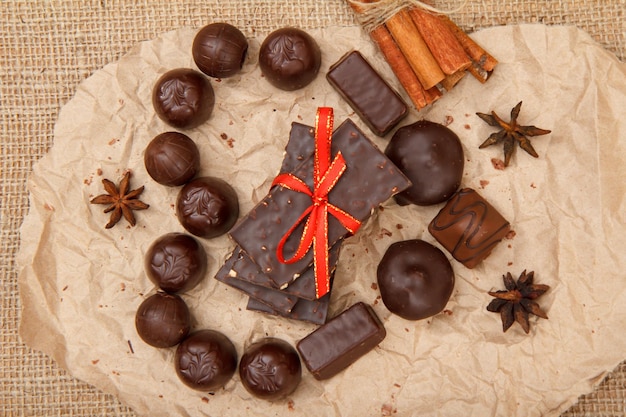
<point>325,176</point>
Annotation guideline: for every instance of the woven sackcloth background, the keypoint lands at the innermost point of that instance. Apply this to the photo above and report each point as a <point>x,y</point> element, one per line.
<point>48,47</point>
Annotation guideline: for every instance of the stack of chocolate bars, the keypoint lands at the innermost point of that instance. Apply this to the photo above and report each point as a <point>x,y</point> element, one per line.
<point>289,289</point>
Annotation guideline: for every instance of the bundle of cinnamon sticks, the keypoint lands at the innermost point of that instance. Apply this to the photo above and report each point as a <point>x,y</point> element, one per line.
<point>428,52</point>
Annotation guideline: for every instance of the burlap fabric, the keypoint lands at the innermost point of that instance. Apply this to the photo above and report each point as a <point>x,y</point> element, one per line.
<point>48,48</point>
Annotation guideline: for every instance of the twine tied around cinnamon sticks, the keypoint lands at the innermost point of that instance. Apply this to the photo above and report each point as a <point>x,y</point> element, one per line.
<point>426,50</point>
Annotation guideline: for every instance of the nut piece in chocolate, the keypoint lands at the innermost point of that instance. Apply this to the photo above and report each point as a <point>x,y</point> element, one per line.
<point>172,159</point>
<point>163,320</point>
<point>183,98</point>
<point>206,360</point>
<point>270,369</point>
<point>469,227</point>
<point>415,279</point>
<point>219,50</point>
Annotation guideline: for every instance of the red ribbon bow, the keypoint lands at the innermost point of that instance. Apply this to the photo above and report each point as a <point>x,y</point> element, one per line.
<point>325,176</point>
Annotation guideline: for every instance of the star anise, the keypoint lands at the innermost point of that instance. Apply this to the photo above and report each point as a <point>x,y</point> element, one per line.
<point>515,304</point>
<point>121,201</point>
<point>510,133</point>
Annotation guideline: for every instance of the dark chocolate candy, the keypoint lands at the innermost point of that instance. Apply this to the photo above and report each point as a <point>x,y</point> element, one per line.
<point>183,98</point>
<point>270,369</point>
<point>469,227</point>
<point>339,343</point>
<point>431,156</point>
<point>415,279</point>
<point>175,262</point>
<point>370,179</point>
<point>312,311</point>
<point>205,360</point>
<point>289,58</point>
<point>301,146</point>
<point>219,50</point>
<point>369,95</point>
<point>172,158</point>
<point>163,320</point>
<point>207,207</point>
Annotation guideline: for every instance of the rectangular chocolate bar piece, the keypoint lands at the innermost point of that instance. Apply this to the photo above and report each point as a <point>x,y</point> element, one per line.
<point>469,227</point>
<point>312,311</point>
<point>339,343</point>
<point>369,95</point>
<point>369,179</point>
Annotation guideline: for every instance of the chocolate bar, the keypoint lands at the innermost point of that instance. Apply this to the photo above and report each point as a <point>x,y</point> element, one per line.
<point>469,227</point>
<point>313,311</point>
<point>369,95</point>
<point>370,179</point>
<point>339,343</point>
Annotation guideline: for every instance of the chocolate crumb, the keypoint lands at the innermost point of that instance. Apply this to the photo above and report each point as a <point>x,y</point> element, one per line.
<point>399,226</point>
<point>122,286</point>
<point>374,286</point>
<point>447,312</point>
<point>532,185</point>
<point>466,126</point>
<point>509,263</point>
<point>290,405</point>
<point>510,235</point>
<point>99,171</point>
<point>498,164</point>
<point>483,183</point>
<point>113,141</point>
<point>224,136</point>
<point>65,288</point>
<point>130,346</point>
<point>205,400</point>
<point>95,361</point>
<point>448,120</point>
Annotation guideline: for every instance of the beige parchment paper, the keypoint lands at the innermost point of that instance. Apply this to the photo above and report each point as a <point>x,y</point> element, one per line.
<point>81,284</point>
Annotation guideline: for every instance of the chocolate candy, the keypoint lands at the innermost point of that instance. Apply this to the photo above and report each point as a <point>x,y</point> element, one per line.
<point>370,179</point>
<point>163,320</point>
<point>205,360</point>
<point>469,227</point>
<point>339,343</point>
<point>289,58</point>
<point>219,50</point>
<point>183,98</point>
<point>175,262</point>
<point>207,207</point>
<point>270,369</point>
<point>415,279</point>
<point>431,156</point>
<point>172,158</point>
<point>369,95</point>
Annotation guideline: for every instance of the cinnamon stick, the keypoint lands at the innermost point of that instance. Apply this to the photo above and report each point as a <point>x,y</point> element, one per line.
<point>451,80</point>
<point>415,50</point>
<point>441,41</point>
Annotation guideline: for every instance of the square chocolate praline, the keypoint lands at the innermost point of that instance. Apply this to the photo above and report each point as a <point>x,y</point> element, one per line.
<point>469,227</point>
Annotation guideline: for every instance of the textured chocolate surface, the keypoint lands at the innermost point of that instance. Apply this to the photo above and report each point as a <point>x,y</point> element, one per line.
<point>369,95</point>
<point>339,343</point>
<point>172,158</point>
<point>415,279</point>
<point>207,207</point>
<point>219,50</point>
<point>370,179</point>
<point>431,156</point>
<point>205,360</point>
<point>183,98</point>
<point>163,320</point>
<point>270,369</point>
<point>175,262</point>
<point>469,227</point>
<point>312,311</point>
<point>289,58</point>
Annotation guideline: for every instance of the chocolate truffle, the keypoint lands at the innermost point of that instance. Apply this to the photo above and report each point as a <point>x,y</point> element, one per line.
<point>163,320</point>
<point>469,227</point>
<point>289,58</point>
<point>207,207</point>
<point>270,369</point>
<point>183,98</point>
<point>415,279</point>
<point>205,360</point>
<point>219,50</point>
<point>175,262</point>
<point>172,158</point>
<point>431,156</point>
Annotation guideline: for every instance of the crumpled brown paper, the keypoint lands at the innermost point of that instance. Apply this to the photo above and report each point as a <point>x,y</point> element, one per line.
<point>81,284</point>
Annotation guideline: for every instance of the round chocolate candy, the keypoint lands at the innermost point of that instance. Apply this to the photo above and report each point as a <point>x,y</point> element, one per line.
<point>183,98</point>
<point>207,207</point>
<point>219,50</point>
<point>172,159</point>
<point>163,320</point>
<point>175,262</point>
<point>415,279</point>
<point>270,369</point>
<point>431,156</point>
<point>289,58</point>
<point>205,360</point>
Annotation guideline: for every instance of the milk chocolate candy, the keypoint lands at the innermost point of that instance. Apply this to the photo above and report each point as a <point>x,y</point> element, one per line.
<point>369,95</point>
<point>469,227</point>
<point>339,343</point>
